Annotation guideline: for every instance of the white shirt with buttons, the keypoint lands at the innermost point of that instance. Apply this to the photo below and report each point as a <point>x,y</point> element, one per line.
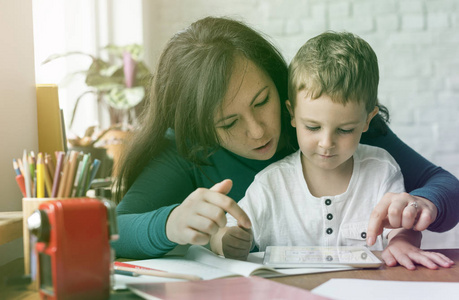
<point>284,213</point>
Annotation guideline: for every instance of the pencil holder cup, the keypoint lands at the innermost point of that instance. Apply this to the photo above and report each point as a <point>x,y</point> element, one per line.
<point>29,205</point>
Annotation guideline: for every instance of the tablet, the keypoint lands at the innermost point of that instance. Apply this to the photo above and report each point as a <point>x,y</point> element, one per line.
<point>320,257</point>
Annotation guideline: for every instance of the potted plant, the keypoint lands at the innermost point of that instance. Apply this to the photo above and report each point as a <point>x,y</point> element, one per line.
<point>119,85</point>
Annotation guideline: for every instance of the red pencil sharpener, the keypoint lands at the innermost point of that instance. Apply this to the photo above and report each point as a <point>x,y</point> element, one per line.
<point>73,247</point>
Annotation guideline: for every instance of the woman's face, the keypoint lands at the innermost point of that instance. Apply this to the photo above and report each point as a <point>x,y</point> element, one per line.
<point>249,123</point>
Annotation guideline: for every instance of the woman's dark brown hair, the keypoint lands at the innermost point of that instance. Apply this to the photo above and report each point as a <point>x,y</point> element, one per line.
<point>188,87</point>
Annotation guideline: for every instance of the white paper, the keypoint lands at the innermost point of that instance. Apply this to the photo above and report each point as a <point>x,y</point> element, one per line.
<point>356,289</point>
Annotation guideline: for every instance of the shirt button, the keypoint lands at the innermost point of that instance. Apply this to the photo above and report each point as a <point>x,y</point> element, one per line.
<point>329,216</point>
<point>363,235</point>
<point>328,202</point>
<point>329,231</point>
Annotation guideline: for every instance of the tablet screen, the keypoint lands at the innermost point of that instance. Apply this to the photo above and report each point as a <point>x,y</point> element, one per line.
<point>320,257</point>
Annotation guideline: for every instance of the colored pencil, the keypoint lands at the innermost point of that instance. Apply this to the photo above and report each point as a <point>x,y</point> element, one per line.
<point>48,181</point>
<point>71,177</point>
<point>77,178</point>
<point>73,161</point>
<point>32,167</point>
<point>50,166</point>
<point>94,168</point>
<point>65,174</point>
<point>16,167</point>
<point>57,173</point>
<point>40,177</point>
<point>27,178</point>
<point>126,273</point>
<point>153,272</point>
<point>21,184</point>
<point>84,175</point>
<point>21,166</point>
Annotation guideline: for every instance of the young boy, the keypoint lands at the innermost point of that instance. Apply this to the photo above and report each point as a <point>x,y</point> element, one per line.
<point>324,193</point>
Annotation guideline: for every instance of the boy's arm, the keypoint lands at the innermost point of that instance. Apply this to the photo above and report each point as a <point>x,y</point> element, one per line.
<point>232,242</point>
<point>216,241</point>
<point>404,249</point>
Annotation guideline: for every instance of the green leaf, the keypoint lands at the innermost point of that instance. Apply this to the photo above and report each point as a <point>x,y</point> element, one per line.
<point>136,50</point>
<point>110,70</point>
<point>56,56</point>
<point>125,98</point>
<point>103,76</point>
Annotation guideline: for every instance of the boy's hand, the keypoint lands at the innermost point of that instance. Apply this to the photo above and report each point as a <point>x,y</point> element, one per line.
<point>401,250</point>
<point>237,242</point>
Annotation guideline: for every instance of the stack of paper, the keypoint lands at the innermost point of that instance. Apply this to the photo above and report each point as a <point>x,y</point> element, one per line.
<point>356,289</point>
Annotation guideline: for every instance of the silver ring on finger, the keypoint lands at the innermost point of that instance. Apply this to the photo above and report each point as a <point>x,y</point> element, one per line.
<point>414,204</point>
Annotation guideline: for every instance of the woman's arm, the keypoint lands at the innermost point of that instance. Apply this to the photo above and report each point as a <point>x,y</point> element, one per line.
<point>164,207</point>
<point>142,214</point>
<point>423,179</point>
<point>143,235</point>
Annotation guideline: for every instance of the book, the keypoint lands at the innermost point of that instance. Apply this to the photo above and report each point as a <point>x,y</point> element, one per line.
<point>240,288</point>
<point>202,262</point>
<point>50,125</point>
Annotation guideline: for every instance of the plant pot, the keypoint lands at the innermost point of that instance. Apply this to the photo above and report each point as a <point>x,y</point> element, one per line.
<point>106,163</point>
<point>113,142</point>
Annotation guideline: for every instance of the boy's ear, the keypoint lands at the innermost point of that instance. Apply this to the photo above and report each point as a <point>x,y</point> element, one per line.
<point>370,117</point>
<point>290,111</point>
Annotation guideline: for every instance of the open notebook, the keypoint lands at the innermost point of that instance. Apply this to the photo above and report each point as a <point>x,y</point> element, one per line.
<point>204,263</point>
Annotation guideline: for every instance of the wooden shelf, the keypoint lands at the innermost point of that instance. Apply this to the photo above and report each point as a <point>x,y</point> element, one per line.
<point>10,226</point>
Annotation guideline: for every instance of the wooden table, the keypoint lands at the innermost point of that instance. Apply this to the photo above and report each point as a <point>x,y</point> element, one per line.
<point>308,281</point>
<point>398,273</point>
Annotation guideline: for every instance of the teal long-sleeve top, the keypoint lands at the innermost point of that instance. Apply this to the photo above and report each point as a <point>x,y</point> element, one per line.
<point>168,179</point>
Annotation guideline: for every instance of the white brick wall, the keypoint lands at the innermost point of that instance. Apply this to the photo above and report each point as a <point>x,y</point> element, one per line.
<point>417,43</point>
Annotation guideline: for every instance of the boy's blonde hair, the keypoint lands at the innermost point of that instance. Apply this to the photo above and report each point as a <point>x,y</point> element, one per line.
<point>340,65</point>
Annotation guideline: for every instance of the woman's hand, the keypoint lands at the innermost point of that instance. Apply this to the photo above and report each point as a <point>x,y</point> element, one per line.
<point>404,249</point>
<point>237,242</point>
<point>400,210</point>
<point>202,213</point>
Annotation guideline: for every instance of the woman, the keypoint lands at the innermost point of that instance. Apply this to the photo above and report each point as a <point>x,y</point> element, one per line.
<point>204,125</point>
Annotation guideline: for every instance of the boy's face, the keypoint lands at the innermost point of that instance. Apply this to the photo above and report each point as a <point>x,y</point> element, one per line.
<point>328,133</point>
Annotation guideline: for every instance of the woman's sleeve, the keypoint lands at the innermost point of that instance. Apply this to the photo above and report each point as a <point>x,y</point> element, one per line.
<point>423,179</point>
<point>142,214</point>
